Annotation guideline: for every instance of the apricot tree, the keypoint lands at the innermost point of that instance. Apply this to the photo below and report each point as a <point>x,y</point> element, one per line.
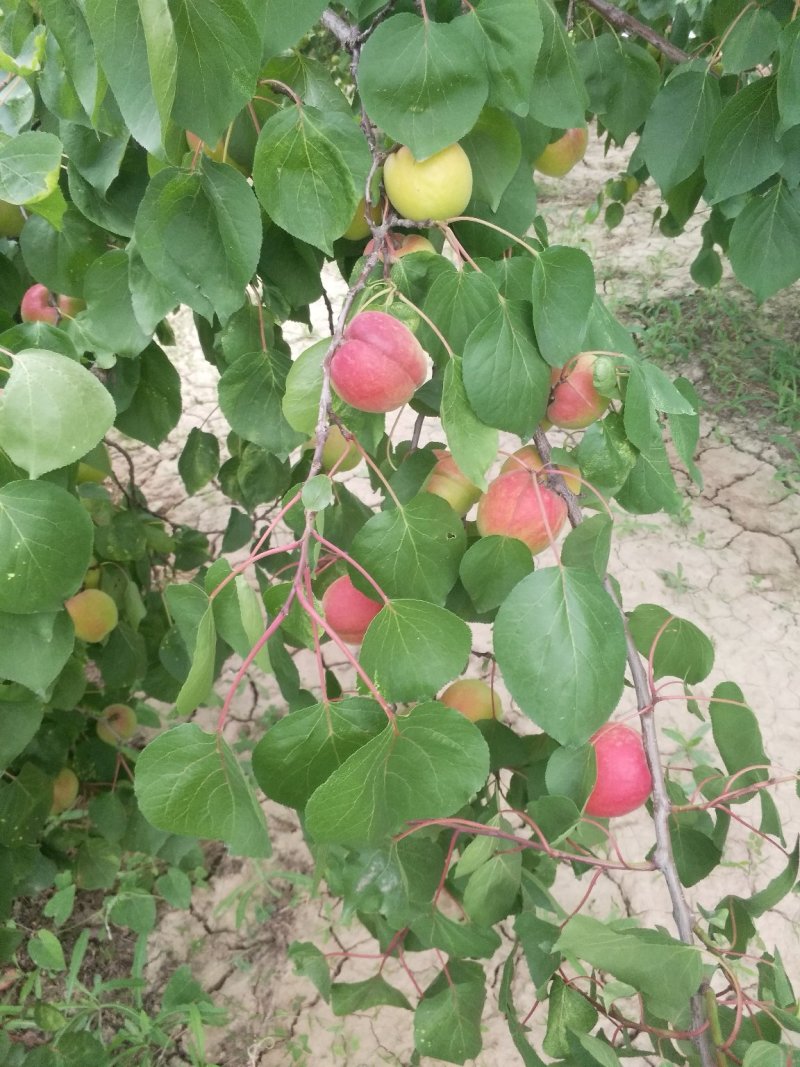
<point>197,154</point>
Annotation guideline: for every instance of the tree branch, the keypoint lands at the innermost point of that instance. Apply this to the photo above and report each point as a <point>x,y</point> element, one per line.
<point>621,20</point>
<point>663,857</point>
<point>341,29</point>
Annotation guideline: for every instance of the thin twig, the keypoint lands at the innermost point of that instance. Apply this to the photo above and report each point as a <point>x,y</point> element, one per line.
<point>621,20</point>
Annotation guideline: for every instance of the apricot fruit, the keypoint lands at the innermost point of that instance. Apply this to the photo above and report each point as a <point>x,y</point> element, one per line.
<point>516,505</point>
<point>561,156</point>
<point>473,698</point>
<point>448,481</point>
<point>574,401</point>
<point>438,187</point>
<point>12,219</point>
<point>93,613</point>
<point>359,227</point>
<point>623,780</point>
<point>36,306</point>
<point>528,458</point>
<point>117,723</point>
<point>380,363</point>
<point>347,611</point>
<point>398,245</point>
<point>65,790</point>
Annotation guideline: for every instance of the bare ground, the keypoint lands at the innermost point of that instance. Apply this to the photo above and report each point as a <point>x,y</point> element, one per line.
<point>730,565</point>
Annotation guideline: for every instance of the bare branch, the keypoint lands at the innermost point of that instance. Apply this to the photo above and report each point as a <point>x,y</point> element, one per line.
<point>621,20</point>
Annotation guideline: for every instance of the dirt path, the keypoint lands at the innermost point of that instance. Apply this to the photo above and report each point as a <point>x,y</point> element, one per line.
<point>730,565</point>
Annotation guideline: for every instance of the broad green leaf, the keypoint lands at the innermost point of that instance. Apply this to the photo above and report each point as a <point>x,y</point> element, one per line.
<point>59,258</point>
<point>397,881</point>
<point>588,546</point>
<point>663,394</point>
<point>302,750</point>
<point>600,1052</point>
<point>34,649</point>
<point>45,547</point>
<point>508,35</point>
<point>194,615</point>
<point>506,379</point>
<point>348,997</point>
<point>153,406</point>
<point>302,178</point>
<point>284,24</point>
<point>176,888</point>
<point>781,885</point>
<point>462,939</point>
<point>681,117</point>
<point>413,648</point>
<point>38,427</point>
<point>425,765</point>
<point>135,911</point>
<point>219,58</point>
<point>571,772</point>
<point>20,712</point>
<point>303,387</point>
<point>789,76</point>
<point>556,816</point>
<point>563,295</point>
<point>742,150</point>
<point>573,683</point>
<point>567,1013</point>
<point>685,430</point>
<point>538,937</point>
<point>605,455</point>
<point>650,485</point>
<point>764,1054</point>
<point>45,950</point>
<point>472,443</point>
<point>529,1056</point>
<point>492,889</point>
<point>765,241</point>
<point>696,855</point>
<point>190,782</point>
<point>447,1022</point>
<point>622,79</point>
<point>412,551</point>
<point>199,235</point>
<point>667,972</point>
<point>238,613</point>
<point>29,167</point>
<point>683,651</point>
<point>198,463</point>
<point>456,302</point>
<point>491,567</point>
<point>737,736</point>
<point>25,804</point>
<point>559,96</point>
<point>422,81</point>
<point>494,150</point>
<point>251,393</point>
<point>309,962</point>
<point>750,42</point>
<point>110,321</point>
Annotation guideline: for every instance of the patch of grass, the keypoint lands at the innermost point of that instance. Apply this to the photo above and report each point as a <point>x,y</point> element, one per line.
<point>749,358</point>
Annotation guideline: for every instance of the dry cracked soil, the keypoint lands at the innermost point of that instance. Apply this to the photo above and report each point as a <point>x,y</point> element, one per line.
<point>730,565</point>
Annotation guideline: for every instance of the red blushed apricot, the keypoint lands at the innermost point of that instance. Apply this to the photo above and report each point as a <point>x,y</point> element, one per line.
<point>623,778</point>
<point>473,698</point>
<point>347,611</point>
<point>117,723</point>
<point>574,401</point>
<point>93,613</point>
<point>448,481</point>
<point>561,156</point>
<point>380,364</point>
<point>399,245</point>
<point>528,458</point>
<point>36,306</point>
<point>516,505</point>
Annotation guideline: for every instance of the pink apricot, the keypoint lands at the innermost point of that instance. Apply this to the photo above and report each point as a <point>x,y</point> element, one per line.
<point>561,156</point>
<point>380,364</point>
<point>37,307</point>
<point>473,698</point>
<point>623,780</point>
<point>347,611</point>
<point>448,481</point>
<point>399,245</point>
<point>516,505</point>
<point>528,458</point>
<point>574,401</point>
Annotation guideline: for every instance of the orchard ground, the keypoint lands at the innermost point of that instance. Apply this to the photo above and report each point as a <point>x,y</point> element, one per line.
<point>730,565</point>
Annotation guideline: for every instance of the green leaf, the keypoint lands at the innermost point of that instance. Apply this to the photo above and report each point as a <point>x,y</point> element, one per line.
<point>573,683</point>
<point>29,167</point>
<point>772,894</point>
<point>447,1022</point>
<point>751,41</point>
<point>571,772</point>
<point>789,76</point>
<point>683,651</point>
<point>111,321</point>
<point>764,1054</point>
<point>494,151</point>
<point>765,241</point>
<point>59,258</point>
<point>422,81</point>
<point>285,23</point>
<point>696,855</point>
<point>219,59</point>
<point>20,713</point>
<point>45,547</point>
<point>302,750</point>
<point>742,150</point>
<point>412,551</point>
<point>491,567</point>
<point>199,235</point>
<point>135,911</point>
<point>678,125</point>
<point>251,394</point>
<point>685,430</point>
<point>463,939</point>
<point>45,950</point>
<point>567,1013</point>
<point>413,648</point>
<point>506,379</point>
<point>456,302</point>
<point>24,806</point>
<point>176,888</point>
<point>667,972</point>
<point>537,938</point>
<point>492,889</point>
<point>397,881</point>
<point>737,736</point>
<point>563,295</point>
<point>155,404</point>
<point>38,427</point>
<point>194,615</point>
<point>347,997</point>
<point>472,443</point>
<point>238,613</point>
<point>309,962</point>
<point>588,546</point>
<point>317,493</point>
<point>34,649</point>
<point>190,782</point>
<point>558,97</point>
<point>424,766</point>
<point>622,80</point>
<point>198,463</point>
<point>650,486</point>
<point>605,455</point>
<point>508,35</point>
<point>302,178</point>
